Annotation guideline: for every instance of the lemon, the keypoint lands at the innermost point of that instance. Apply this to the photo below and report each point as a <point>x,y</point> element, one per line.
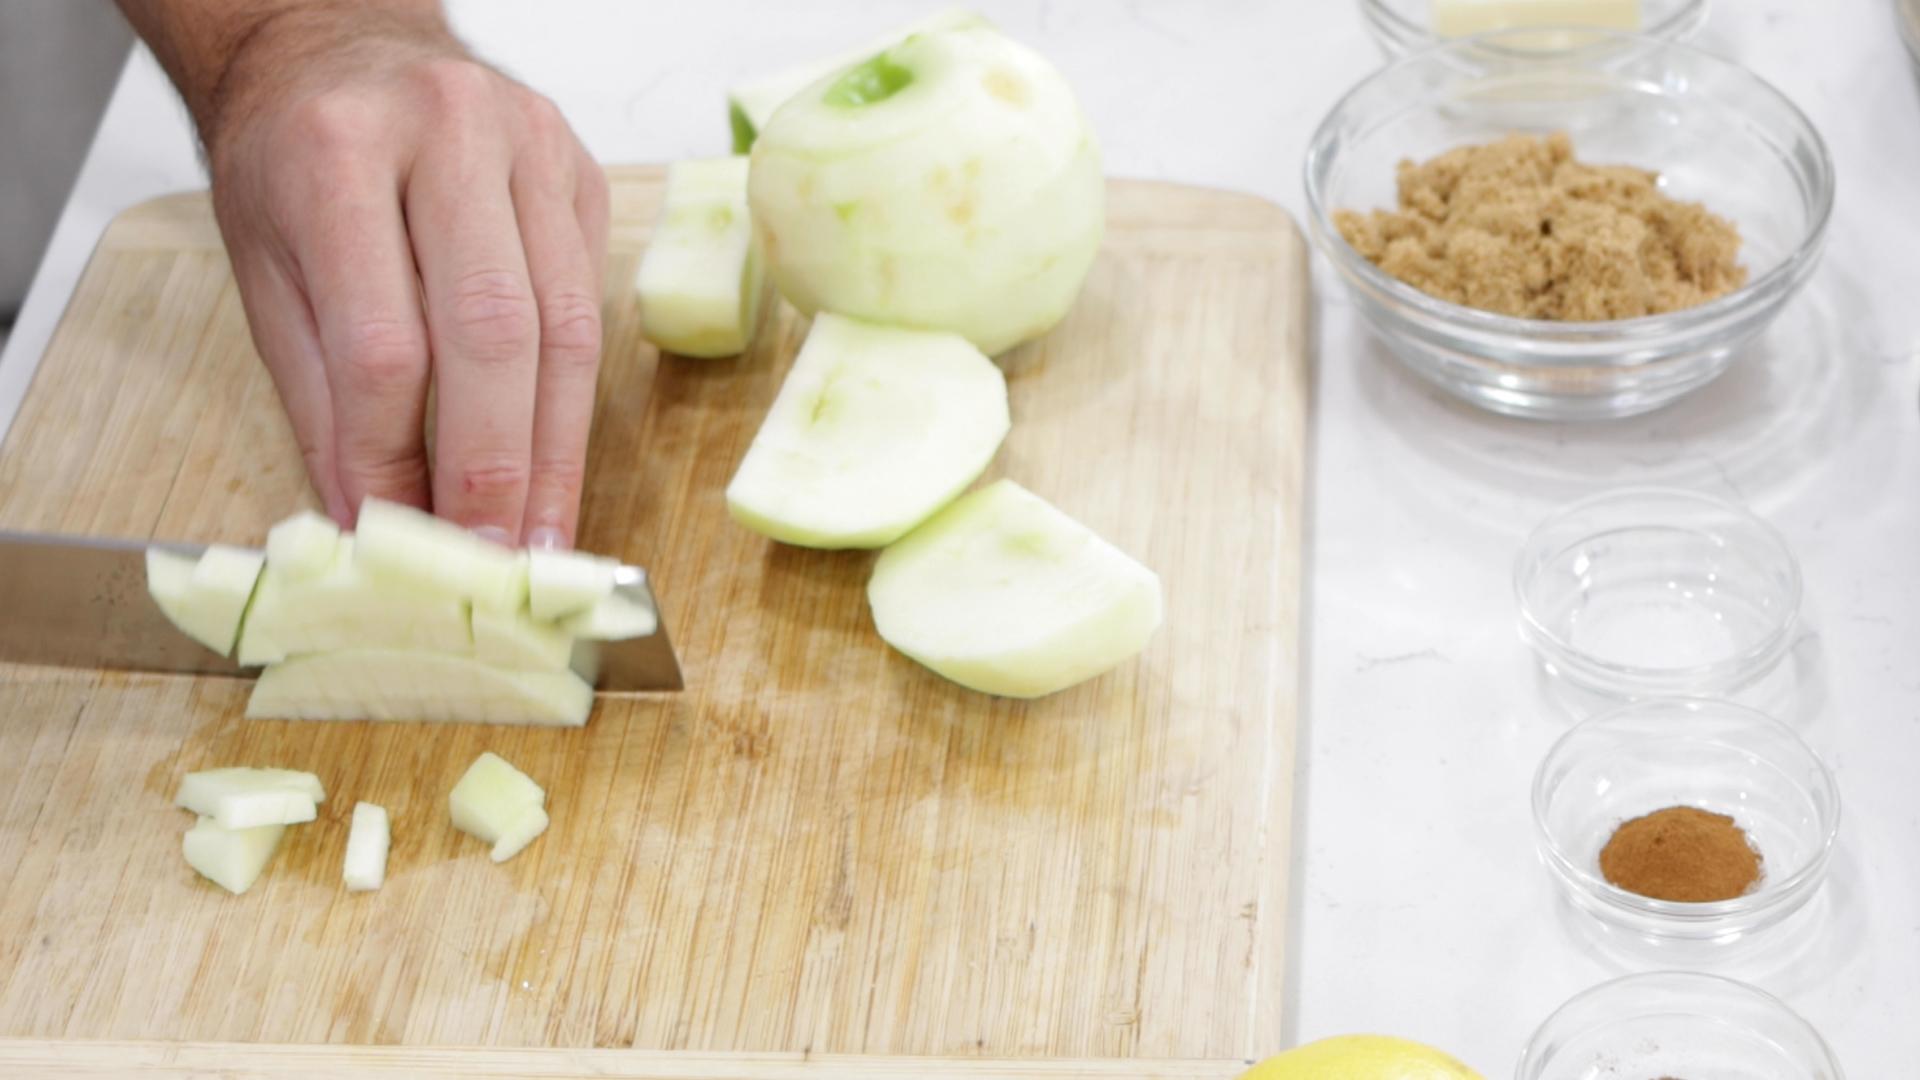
<point>1361,1057</point>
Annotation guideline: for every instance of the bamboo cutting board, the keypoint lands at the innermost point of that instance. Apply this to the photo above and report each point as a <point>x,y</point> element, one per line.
<point>819,847</point>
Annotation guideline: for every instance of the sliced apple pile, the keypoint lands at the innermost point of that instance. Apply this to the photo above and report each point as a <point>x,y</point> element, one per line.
<point>701,278</point>
<point>1002,593</point>
<point>874,429</point>
<point>409,619</point>
<point>241,815</point>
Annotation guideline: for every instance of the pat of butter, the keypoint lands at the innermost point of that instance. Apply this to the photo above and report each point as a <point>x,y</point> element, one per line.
<point>1458,18</point>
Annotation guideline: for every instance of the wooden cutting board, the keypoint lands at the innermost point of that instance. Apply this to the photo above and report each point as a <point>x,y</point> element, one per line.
<point>819,847</point>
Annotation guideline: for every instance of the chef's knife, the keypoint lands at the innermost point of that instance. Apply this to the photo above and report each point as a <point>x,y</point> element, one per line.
<point>80,602</point>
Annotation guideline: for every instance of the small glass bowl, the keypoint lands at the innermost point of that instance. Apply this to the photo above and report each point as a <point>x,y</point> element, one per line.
<point>1716,133</point>
<point>1652,592</point>
<point>1404,26</point>
<point>1676,1023</point>
<point>1715,755</point>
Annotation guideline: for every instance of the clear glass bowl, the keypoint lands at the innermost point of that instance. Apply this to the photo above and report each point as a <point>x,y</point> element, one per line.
<point>1403,26</point>
<point>1716,133</point>
<point>1676,1024</point>
<point>1650,592</point>
<point>1714,755</point>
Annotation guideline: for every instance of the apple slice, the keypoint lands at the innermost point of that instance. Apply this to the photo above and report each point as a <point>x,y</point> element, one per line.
<point>303,546</point>
<point>368,840</point>
<point>205,598</point>
<point>560,583</point>
<point>396,684</point>
<point>243,798</point>
<point>874,429</point>
<point>412,548</point>
<point>701,278</point>
<point>347,607</point>
<point>499,804</point>
<point>230,858</point>
<point>751,104</point>
<point>519,643</point>
<point>1004,594</point>
<point>615,618</point>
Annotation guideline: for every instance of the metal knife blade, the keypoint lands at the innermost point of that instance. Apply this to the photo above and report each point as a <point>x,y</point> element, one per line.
<point>72,601</point>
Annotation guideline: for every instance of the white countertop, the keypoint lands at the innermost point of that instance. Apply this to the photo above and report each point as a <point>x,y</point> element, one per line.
<point>1421,908</point>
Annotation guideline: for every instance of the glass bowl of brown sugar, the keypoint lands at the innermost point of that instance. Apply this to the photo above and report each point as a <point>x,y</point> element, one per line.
<point>1649,153</point>
<point>1676,1025</point>
<point>1686,820</point>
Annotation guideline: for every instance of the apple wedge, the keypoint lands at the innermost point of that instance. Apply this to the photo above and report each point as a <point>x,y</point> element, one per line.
<point>346,607</point>
<point>874,429</point>
<point>701,279</point>
<point>205,597</point>
<point>751,104</point>
<point>1005,594</point>
<point>365,866</point>
<point>230,858</point>
<point>394,684</point>
<point>412,549</point>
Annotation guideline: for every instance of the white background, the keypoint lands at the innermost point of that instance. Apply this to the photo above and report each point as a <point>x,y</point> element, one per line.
<point>1421,909</point>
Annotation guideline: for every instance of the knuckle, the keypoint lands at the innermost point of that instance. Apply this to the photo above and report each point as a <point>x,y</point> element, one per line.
<point>570,330</point>
<point>382,355</point>
<point>491,477</point>
<point>382,472</point>
<point>492,315</point>
<point>565,477</point>
<point>457,87</point>
<point>331,123</point>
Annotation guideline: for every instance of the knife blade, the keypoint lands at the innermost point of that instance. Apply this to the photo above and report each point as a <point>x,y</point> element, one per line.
<point>72,601</point>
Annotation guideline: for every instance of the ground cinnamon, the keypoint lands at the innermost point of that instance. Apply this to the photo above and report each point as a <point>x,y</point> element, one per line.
<point>1682,853</point>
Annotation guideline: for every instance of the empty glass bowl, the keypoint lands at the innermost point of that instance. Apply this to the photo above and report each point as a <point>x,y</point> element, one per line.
<point>1645,592</point>
<point>1676,1024</point>
<point>1403,26</point>
<point>1714,755</point>
<point>1716,133</point>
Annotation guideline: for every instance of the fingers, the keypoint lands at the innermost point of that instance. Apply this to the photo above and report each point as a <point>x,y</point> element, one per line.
<point>285,335</point>
<point>564,258</point>
<point>360,278</point>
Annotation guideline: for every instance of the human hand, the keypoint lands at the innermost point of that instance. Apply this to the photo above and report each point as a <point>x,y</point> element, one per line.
<point>399,216</point>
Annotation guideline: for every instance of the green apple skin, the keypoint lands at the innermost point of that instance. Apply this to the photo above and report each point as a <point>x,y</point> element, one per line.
<point>948,183</point>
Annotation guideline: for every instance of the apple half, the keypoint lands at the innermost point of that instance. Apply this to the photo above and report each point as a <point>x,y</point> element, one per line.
<point>873,430</point>
<point>1003,593</point>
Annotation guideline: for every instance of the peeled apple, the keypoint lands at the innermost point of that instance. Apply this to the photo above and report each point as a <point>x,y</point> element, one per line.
<point>302,546</point>
<point>751,104</point>
<point>393,684</point>
<point>230,858</point>
<point>413,549</point>
<point>364,867</point>
<point>565,582</point>
<point>1003,593</point>
<point>949,182</point>
<point>499,804</point>
<point>520,643</point>
<point>701,279</point>
<point>874,429</point>
<point>205,597</point>
<point>346,607</point>
<point>243,798</point>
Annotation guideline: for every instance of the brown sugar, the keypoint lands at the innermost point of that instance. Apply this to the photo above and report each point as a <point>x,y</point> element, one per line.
<point>1682,854</point>
<point>1520,227</point>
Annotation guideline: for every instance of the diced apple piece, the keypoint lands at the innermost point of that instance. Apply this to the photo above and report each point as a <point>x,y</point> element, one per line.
<point>874,429</point>
<point>413,548</point>
<point>614,619</point>
<point>519,643</point>
<point>252,809</point>
<point>397,684</point>
<point>347,607</point>
<point>230,858</point>
<point>526,826</point>
<point>701,279</point>
<point>560,583</point>
<point>202,791</point>
<point>303,546</point>
<point>206,598</point>
<point>495,802</point>
<point>751,104</point>
<point>1003,593</point>
<point>365,867</point>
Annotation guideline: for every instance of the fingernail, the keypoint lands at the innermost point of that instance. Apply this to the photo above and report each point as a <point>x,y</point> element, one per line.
<point>493,534</point>
<point>546,538</point>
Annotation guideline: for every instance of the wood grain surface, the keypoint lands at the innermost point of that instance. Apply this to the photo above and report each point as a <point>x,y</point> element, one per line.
<point>65,1060</point>
<point>819,847</point>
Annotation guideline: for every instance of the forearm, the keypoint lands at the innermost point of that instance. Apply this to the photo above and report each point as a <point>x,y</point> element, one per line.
<point>206,45</point>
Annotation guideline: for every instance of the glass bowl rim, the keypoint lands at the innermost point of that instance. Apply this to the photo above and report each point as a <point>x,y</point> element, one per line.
<point>1537,631</point>
<point>1383,12</point>
<point>1352,264</point>
<point>1701,983</point>
<point>1681,912</point>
